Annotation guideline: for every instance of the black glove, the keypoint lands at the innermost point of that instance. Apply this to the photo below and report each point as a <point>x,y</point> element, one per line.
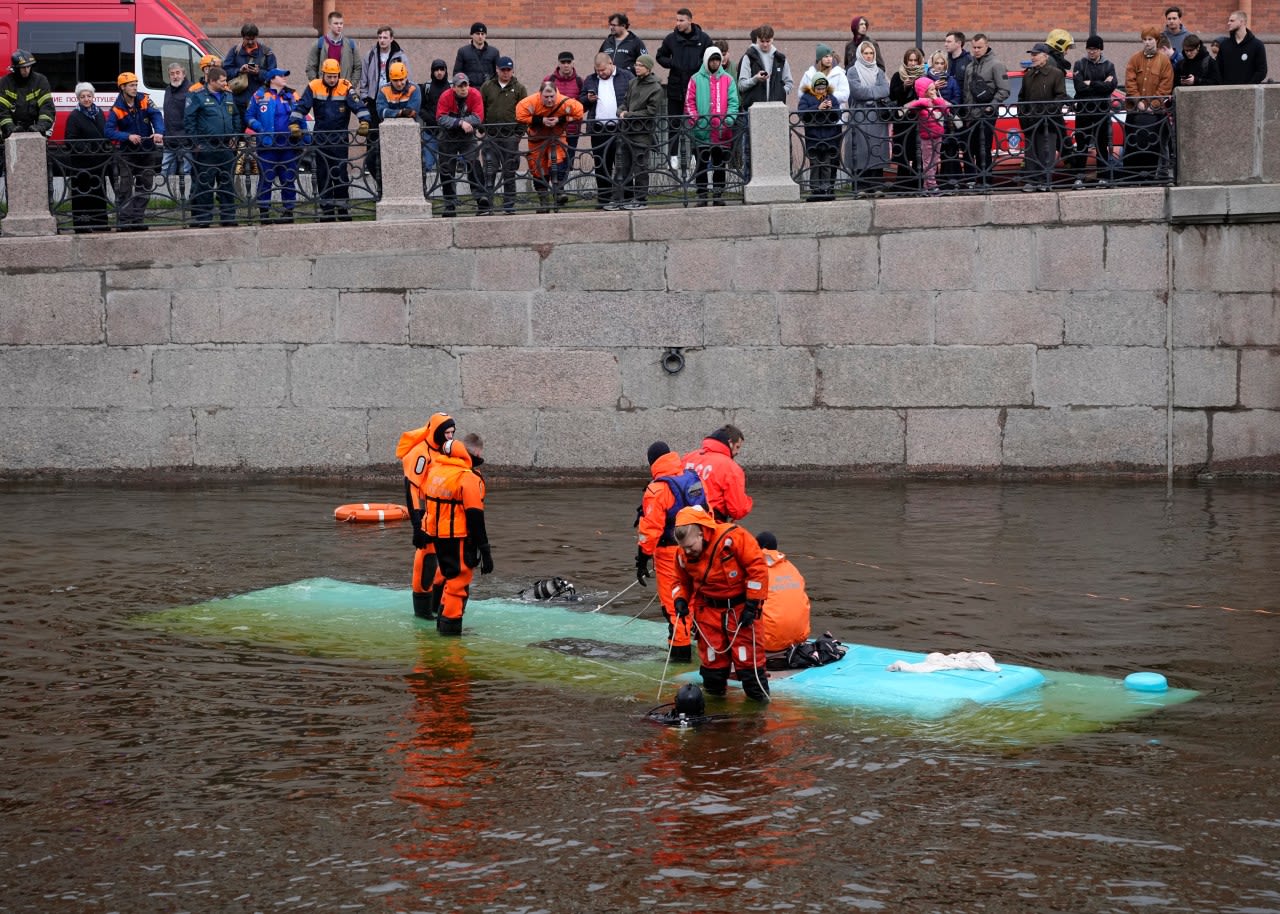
<point>486,559</point>
<point>682,608</point>
<point>6,130</point>
<point>420,538</point>
<point>642,568</point>
<point>750,612</point>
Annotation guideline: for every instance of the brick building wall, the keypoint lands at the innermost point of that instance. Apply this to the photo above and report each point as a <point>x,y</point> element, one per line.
<point>733,17</point>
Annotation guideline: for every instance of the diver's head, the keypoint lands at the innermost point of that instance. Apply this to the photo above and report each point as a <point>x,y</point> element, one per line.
<point>689,701</point>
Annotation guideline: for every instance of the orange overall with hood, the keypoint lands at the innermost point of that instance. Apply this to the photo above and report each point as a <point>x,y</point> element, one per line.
<point>654,507</point>
<point>785,620</point>
<point>454,501</point>
<point>730,571</point>
<point>416,450</point>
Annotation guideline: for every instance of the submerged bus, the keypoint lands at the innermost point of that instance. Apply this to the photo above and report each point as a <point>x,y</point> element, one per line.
<point>94,41</point>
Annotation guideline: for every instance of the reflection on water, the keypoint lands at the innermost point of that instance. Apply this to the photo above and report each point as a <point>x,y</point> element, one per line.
<point>145,771</point>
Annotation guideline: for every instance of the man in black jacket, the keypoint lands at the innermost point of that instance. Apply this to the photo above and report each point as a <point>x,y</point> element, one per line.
<point>478,59</point>
<point>1242,58</point>
<point>1095,79</point>
<point>623,46</point>
<point>681,53</point>
<point>176,160</point>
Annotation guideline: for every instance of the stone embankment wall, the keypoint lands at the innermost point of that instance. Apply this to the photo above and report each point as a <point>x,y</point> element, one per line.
<point>1074,330</point>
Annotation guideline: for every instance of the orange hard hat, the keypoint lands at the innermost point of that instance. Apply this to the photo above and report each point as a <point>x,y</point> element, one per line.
<point>398,71</point>
<point>125,78</point>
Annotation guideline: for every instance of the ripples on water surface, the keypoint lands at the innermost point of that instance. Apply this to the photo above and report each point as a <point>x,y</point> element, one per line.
<point>143,771</point>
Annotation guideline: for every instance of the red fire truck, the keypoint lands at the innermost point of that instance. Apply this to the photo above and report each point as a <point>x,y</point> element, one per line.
<point>94,41</point>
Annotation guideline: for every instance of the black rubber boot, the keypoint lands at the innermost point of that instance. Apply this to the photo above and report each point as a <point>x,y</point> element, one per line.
<point>714,682</point>
<point>682,653</point>
<point>448,626</point>
<point>755,683</point>
<point>423,606</point>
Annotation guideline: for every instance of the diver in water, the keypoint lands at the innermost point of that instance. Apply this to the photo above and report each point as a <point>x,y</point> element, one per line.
<point>550,590</point>
<point>688,710</point>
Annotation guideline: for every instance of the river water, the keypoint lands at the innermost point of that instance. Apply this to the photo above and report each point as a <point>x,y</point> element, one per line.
<point>143,770</point>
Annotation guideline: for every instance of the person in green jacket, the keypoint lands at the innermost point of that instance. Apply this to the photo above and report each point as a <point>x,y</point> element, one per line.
<point>639,113</point>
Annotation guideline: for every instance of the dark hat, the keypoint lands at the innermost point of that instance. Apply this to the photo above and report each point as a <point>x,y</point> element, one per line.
<point>1040,48</point>
<point>1095,41</point>
<point>565,57</point>
<point>478,27</point>
<point>820,82</point>
<point>646,61</point>
<point>767,540</point>
<point>460,79</point>
<point>657,449</point>
<point>505,63</point>
<point>273,73</point>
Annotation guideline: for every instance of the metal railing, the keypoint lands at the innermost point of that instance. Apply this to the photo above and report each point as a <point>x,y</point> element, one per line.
<point>228,180</point>
<point>869,150</point>
<point>883,150</point>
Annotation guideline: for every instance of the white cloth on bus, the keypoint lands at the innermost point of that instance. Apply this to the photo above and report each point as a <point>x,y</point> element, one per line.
<point>963,660</point>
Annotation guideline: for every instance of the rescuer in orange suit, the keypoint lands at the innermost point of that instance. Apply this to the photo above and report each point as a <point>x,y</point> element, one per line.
<point>417,449</point>
<point>454,500</point>
<point>786,610</point>
<point>722,478</point>
<point>722,579</point>
<point>673,487</point>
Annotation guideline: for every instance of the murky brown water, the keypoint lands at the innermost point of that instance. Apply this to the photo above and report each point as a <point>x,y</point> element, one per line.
<point>140,771</point>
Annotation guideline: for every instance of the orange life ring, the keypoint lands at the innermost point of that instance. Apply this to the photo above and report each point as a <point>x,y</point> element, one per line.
<point>370,513</point>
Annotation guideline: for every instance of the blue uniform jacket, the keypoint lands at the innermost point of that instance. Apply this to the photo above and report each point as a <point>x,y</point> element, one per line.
<point>212,115</point>
<point>269,113</point>
<point>391,102</point>
<point>331,107</point>
<point>143,119</point>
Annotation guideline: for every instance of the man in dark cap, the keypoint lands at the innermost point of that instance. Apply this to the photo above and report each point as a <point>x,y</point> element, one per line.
<point>478,59</point>
<point>672,487</point>
<point>1044,88</point>
<point>1095,80</point>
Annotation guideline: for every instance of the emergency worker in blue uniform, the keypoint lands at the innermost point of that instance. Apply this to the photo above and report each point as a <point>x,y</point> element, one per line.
<point>331,100</point>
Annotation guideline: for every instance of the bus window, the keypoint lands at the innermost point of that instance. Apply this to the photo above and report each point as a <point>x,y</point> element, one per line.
<point>71,52</point>
<point>158,53</point>
<point>101,63</point>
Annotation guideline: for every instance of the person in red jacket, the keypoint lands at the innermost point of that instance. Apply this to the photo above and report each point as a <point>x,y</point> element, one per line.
<point>417,449</point>
<point>722,479</point>
<point>673,487</point>
<point>722,579</point>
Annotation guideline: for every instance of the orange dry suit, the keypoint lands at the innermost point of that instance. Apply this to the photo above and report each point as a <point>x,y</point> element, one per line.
<point>724,589</point>
<point>417,449</point>
<point>673,487</point>
<point>785,620</point>
<point>454,502</point>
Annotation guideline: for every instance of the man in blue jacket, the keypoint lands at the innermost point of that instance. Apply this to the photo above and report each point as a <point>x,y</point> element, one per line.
<point>214,124</point>
<point>251,59</point>
<point>331,100</point>
<point>278,152</point>
<point>137,128</point>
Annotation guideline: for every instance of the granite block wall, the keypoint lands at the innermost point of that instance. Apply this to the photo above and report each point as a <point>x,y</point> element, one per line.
<point>1077,331</point>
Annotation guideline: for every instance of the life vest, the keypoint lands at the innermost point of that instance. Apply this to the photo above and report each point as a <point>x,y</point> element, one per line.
<point>687,491</point>
<point>444,496</point>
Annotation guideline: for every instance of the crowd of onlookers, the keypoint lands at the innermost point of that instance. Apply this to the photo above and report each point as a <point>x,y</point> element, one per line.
<point>926,124</point>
